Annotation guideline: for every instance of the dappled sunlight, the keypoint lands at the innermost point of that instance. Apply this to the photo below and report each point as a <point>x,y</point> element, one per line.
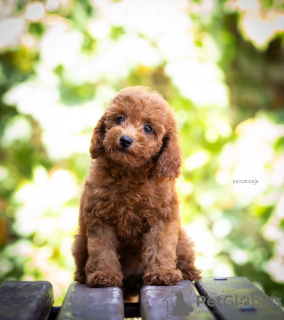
<point>63,61</point>
<point>196,160</point>
<point>132,15</point>
<point>272,232</point>
<point>250,157</point>
<point>221,228</point>
<point>258,23</point>
<point>253,159</point>
<point>34,11</point>
<point>206,246</point>
<point>199,81</point>
<point>42,102</point>
<point>67,44</point>
<point>40,198</point>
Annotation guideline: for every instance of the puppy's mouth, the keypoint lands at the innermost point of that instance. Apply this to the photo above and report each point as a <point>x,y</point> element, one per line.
<point>123,150</point>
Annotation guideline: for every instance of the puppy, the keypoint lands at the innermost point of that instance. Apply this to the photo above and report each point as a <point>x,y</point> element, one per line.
<point>129,222</point>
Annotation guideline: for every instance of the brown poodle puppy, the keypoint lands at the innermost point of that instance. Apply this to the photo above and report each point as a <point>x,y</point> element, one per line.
<point>129,222</point>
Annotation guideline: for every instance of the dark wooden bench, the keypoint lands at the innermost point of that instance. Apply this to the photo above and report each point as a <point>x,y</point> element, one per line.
<point>212,298</point>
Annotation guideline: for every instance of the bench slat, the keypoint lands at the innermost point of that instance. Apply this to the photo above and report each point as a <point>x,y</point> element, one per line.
<point>25,300</point>
<point>240,299</point>
<point>178,302</point>
<point>83,302</point>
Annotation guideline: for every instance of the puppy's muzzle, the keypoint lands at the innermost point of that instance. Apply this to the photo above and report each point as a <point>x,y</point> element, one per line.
<point>125,141</point>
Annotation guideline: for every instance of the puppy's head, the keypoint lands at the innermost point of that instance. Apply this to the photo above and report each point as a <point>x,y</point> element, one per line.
<point>137,128</point>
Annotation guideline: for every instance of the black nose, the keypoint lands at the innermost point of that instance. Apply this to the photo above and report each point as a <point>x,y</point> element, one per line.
<point>125,141</point>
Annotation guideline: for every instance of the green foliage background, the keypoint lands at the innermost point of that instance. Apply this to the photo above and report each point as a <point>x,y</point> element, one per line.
<point>237,103</point>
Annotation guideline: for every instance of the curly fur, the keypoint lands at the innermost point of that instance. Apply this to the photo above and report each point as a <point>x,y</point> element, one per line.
<point>129,222</point>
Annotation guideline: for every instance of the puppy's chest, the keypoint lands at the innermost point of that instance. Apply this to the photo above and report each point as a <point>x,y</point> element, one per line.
<point>129,212</point>
<point>125,195</point>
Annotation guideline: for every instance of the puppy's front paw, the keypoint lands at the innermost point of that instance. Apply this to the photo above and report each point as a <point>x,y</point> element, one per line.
<point>191,274</point>
<point>104,279</point>
<point>162,277</point>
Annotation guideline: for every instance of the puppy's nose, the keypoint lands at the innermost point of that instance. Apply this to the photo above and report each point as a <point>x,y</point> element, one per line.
<point>125,141</point>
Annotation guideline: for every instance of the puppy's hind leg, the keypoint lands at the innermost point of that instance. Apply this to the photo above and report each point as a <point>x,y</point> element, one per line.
<point>186,257</point>
<point>80,254</point>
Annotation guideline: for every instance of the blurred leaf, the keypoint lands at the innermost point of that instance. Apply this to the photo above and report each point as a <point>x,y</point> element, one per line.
<point>37,29</point>
<point>281,224</point>
<point>268,4</point>
<point>279,145</point>
<point>116,32</point>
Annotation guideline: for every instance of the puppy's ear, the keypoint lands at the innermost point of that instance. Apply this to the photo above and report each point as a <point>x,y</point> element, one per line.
<point>97,148</point>
<point>170,159</point>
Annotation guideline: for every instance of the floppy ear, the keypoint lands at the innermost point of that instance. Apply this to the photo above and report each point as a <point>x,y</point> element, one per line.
<point>97,148</point>
<point>170,159</point>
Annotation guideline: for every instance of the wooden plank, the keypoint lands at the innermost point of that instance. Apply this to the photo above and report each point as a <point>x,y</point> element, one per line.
<point>177,302</point>
<point>237,298</point>
<point>25,300</point>
<point>83,302</point>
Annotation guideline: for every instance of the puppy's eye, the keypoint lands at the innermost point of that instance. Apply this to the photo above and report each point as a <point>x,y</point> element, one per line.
<point>119,120</point>
<point>148,129</point>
